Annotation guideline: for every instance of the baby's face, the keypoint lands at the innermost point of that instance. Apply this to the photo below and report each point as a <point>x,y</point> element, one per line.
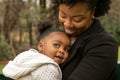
<point>56,46</point>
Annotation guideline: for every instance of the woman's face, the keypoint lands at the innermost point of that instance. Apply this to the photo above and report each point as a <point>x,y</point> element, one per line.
<point>75,19</point>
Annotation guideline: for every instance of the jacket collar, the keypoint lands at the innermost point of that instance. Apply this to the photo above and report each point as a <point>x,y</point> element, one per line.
<point>95,28</point>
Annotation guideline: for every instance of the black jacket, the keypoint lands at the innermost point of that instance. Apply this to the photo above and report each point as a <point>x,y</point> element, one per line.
<point>93,56</point>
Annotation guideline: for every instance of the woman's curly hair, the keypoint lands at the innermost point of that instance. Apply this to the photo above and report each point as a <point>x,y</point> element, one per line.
<point>102,6</point>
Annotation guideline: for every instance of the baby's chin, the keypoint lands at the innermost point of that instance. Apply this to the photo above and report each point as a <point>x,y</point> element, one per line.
<point>58,61</point>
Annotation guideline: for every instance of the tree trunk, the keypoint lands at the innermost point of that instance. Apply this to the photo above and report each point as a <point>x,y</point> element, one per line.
<point>42,3</point>
<point>12,9</point>
<point>30,33</point>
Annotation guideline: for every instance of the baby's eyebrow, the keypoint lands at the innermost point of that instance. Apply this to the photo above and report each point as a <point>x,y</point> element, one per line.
<point>60,42</point>
<point>57,41</point>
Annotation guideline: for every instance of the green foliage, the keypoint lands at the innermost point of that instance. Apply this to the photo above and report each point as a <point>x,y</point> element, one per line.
<point>1,67</point>
<point>112,27</point>
<point>119,54</point>
<point>43,13</point>
<point>5,51</point>
<point>111,21</point>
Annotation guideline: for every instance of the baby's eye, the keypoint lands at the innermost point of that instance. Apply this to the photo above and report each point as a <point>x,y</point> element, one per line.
<point>67,49</point>
<point>56,45</point>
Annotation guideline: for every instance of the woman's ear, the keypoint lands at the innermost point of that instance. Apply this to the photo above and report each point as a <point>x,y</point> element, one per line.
<point>40,46</point>
<point>93,11</point>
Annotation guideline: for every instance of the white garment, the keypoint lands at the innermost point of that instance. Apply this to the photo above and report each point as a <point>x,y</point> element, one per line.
<point>32,65</point>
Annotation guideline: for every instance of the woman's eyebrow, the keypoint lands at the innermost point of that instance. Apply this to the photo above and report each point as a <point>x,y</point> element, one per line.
<point>62,11</point>
<point>79,15</point>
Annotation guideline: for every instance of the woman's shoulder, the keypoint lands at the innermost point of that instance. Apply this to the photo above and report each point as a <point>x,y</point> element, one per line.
<point>104,36</point>
<point>102,41</point>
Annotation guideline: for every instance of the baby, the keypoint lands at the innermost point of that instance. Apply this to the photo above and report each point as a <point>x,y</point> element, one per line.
<point>41,64</point>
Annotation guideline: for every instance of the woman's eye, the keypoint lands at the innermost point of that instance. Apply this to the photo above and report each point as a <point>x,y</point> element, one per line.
<point>77,19</point>
<point>56,45</point>
<point>62,16</point>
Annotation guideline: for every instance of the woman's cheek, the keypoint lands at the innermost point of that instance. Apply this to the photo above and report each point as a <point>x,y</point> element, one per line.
<point>81,24</point>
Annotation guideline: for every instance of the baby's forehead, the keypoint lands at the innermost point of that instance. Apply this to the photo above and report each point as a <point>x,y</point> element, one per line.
<point>58,34</point>
<point>61,36</point>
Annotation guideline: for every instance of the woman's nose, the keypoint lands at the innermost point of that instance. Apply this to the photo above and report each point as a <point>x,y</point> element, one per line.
<point>68,23</point>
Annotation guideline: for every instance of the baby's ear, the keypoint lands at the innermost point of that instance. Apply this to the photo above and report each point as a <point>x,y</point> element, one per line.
<point>40,46</point>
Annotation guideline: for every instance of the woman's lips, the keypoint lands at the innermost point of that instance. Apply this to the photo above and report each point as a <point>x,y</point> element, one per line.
<point>69,32</point>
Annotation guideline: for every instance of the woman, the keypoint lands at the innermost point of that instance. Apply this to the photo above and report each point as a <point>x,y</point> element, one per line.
<point>93,55</point>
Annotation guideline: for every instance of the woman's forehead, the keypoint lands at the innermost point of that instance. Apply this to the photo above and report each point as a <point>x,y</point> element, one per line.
<point>79,9</point>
